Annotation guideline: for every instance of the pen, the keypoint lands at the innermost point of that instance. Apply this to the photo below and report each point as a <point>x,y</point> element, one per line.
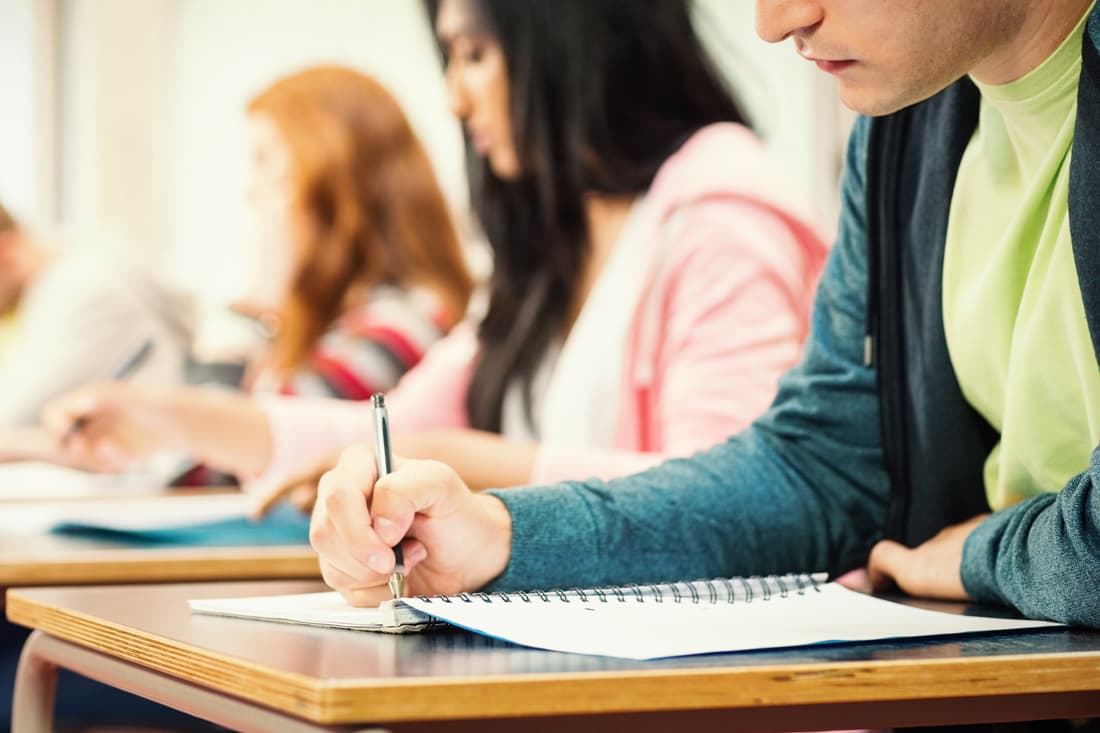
<point>128,367</point>
<point>385,465</point>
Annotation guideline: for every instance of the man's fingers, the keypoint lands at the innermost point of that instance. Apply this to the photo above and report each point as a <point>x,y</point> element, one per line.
<point>887,564</point>
<point>358,466</point>
<point>857,580</point>
<point>337,577</point>
<point>332,548</point>
<point>420,487</point>
<point>349,522</point>
<point>341,526</point>
<point>366,597</point>
<point>414,551</point>
<point>356,593</point>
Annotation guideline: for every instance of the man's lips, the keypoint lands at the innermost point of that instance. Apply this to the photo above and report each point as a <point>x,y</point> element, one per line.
<point>833,67</point>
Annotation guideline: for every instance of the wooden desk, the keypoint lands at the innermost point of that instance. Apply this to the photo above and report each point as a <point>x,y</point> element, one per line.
<point>255,676</point>
<point>39,558</point>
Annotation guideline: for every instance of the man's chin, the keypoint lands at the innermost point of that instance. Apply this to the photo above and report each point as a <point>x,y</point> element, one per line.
<point>877,100</point>
<point>867,100</point>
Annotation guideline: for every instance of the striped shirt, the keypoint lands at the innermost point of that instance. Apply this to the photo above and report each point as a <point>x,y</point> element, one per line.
<point>369,348</point>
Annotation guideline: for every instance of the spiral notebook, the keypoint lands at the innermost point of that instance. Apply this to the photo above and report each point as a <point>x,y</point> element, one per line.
<point>640,622</point>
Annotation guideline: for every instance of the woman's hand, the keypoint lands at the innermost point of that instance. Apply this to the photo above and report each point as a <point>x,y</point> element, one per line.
<point>300,488</point>
<point>112,426</point>
<point>453,540</point>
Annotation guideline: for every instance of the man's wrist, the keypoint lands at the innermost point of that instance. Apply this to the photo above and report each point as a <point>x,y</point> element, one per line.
<point>498,531</point>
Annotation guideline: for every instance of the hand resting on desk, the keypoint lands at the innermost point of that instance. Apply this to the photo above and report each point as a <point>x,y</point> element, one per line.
<point>930,570</point>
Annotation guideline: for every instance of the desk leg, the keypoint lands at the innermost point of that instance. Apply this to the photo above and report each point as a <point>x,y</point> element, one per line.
<point>35,685</point>
<point>36,682</point>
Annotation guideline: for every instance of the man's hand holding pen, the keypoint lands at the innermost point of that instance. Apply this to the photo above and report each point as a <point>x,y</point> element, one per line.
<point>452,539</point>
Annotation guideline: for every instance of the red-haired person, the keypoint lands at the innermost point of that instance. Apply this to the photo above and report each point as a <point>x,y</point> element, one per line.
<point>361,265</point>
<point>652,268</point>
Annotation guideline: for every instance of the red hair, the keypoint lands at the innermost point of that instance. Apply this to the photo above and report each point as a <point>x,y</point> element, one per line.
<point>365,205</point>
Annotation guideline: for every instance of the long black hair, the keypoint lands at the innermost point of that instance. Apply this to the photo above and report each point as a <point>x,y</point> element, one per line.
<point>602,92</point>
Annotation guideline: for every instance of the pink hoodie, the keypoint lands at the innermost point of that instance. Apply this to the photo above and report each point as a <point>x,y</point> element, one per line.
<point>723,316</point>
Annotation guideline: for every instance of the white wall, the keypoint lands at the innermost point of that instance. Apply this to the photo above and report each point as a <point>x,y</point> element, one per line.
<point>153,114</point>
<point>27,118</point>
<point>115,173</point>
<point>225,52</point>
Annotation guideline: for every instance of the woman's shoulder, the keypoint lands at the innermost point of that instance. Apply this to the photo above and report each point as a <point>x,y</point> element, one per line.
<point>727,161</point>
<point>722,188</point>
<point>718,157</point>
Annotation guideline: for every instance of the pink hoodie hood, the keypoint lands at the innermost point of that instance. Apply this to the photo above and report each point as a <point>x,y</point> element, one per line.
<point>729,160</point>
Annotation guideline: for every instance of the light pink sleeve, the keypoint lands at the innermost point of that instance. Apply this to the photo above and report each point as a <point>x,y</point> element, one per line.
<point>431,396</point>
<point>734,321</point>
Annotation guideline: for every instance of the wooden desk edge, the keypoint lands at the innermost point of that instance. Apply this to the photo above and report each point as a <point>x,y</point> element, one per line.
<point>126,565</point>
<point>503,696</point>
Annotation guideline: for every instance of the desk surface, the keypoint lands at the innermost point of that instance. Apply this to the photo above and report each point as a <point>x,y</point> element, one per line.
<point>31,556</point>
<point>336,676</point>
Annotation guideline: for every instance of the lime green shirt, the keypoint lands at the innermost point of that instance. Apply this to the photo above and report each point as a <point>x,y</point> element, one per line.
<point>1013,314</point>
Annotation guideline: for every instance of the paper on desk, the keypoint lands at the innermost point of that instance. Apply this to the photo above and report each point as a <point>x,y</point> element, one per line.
<point>122,515</point>
<point>652,630</point>
<point>34,480</point>
<point>635,626</point>
<point>317,609</point>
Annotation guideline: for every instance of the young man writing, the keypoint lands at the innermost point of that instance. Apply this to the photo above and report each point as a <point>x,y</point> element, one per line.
<point>952,367</point>
<point>951,370</point>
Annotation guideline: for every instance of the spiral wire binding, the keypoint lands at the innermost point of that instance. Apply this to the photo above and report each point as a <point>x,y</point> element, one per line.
<point>729,590</point>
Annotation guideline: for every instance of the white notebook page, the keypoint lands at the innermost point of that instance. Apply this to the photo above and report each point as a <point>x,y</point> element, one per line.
<point>651,630</point>
<point>632,623</point>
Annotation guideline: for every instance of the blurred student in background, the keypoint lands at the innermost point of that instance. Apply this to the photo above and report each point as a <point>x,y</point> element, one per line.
<point>363,271</point>
<point>69,316</point>
<point>652,270</point>
<point>360,267</point>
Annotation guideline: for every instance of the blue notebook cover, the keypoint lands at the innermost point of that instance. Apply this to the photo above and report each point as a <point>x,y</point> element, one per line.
<point>285,525</point>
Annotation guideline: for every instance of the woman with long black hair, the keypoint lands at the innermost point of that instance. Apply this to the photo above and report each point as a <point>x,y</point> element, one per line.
<point>652,271</point>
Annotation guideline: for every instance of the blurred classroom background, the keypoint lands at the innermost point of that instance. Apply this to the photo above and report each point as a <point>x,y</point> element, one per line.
<point>125,118</point>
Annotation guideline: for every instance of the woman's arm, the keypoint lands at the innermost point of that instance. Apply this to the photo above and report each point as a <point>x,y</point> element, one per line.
<point>431,396</point>
<point>111,426</point>
<point>483,460</point>
<point>29,444</point>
